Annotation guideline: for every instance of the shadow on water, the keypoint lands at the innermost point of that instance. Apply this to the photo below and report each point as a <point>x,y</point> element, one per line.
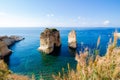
<point>7,59</point>
<point>50,59</point>
<point>72,51</point>
<point>56,52</point>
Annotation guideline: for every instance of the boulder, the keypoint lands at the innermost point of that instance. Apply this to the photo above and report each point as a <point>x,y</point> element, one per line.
<point>72,42</point>
<point>49,39</point>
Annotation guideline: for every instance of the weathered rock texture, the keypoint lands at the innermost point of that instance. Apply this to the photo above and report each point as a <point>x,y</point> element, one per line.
<point>11,40</point>
<point>49,39</point>
<point>6,41</point>
<point>4,49</point>
<point>72,43</point>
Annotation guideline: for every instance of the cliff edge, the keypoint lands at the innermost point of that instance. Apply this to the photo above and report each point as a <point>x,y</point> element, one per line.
<point>6,41</point>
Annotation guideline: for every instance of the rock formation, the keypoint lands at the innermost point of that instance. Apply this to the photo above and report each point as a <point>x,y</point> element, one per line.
<point>4,49</point>
<point>6,41</point>
<point>11,40</point>
<point>72,43</point>
<point>49,39</point>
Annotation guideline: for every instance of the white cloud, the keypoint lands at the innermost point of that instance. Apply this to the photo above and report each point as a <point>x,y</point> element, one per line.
<point>3,14</point>
<point>50,15</point>
<point>8,20</point>
<point>106,22</point>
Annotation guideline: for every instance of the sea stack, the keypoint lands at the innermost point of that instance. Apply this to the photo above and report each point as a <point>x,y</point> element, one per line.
<point>49,40</point>
<point>72,43</point>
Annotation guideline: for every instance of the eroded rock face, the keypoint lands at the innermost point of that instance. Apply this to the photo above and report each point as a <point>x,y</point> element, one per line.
<point>49,39</point>
<point>6,41</point>
<point>4,49</point>
<point>72,43</point>
<point>11,39</point>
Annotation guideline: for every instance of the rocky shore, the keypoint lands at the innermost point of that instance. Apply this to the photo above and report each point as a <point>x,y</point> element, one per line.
<point>49,39</point>
<point>5,42</point>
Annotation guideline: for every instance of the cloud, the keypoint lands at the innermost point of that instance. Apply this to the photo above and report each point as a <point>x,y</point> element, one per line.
<point>3,14</point>
<point>50,15</point>
<point>106,22</point>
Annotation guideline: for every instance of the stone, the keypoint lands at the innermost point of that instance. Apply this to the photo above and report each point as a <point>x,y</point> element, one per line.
<point>49,39</point>
<point>4,49</point>
<point>11,39</point>
<point>6,41</point>
<point>72,42</point>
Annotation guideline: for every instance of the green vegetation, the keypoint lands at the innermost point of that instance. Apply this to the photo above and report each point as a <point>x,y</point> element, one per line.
<point>53,29</point>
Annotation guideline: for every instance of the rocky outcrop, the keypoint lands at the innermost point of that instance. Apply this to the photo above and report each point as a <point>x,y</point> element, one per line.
<point>72,43</point>
<point>11,39</point>
<point>49,39</point>
<point>4,49</point>
<point>6,41</point>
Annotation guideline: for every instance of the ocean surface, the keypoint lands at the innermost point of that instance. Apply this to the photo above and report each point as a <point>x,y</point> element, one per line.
<point>27,60</point>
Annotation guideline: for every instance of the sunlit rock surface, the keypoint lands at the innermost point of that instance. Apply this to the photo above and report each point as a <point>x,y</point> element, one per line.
<point>6,41</point>
<point>4,49</point>
<point>49,39</point>
<point>72,43</point>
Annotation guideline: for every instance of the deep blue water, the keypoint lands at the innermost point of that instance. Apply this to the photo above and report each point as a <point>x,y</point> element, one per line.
<point>27,60</point>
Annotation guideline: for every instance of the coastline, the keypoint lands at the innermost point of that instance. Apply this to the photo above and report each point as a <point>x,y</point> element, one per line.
<point>6,42</point>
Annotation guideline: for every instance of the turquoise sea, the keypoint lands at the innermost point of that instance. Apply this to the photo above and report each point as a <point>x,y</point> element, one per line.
<point>27,60</point>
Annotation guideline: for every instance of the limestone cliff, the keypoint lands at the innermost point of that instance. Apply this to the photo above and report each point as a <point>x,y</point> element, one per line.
<point>72,43</point>
<point>11,39</point>
<point>49,39</point>
<point>6,41</point>
<point>4,49</point>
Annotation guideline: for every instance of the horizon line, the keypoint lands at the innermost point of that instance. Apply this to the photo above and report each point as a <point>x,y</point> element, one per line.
<point>61,27</point>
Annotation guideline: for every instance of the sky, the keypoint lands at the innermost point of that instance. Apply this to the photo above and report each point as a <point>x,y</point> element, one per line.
<point>59,13</point>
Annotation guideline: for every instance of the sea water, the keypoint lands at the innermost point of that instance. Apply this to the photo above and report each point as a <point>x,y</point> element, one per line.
<point>27,60</point>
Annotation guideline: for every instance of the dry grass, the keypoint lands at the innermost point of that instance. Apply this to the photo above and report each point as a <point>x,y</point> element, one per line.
<point>99,68</point>
<point>6,74</point>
